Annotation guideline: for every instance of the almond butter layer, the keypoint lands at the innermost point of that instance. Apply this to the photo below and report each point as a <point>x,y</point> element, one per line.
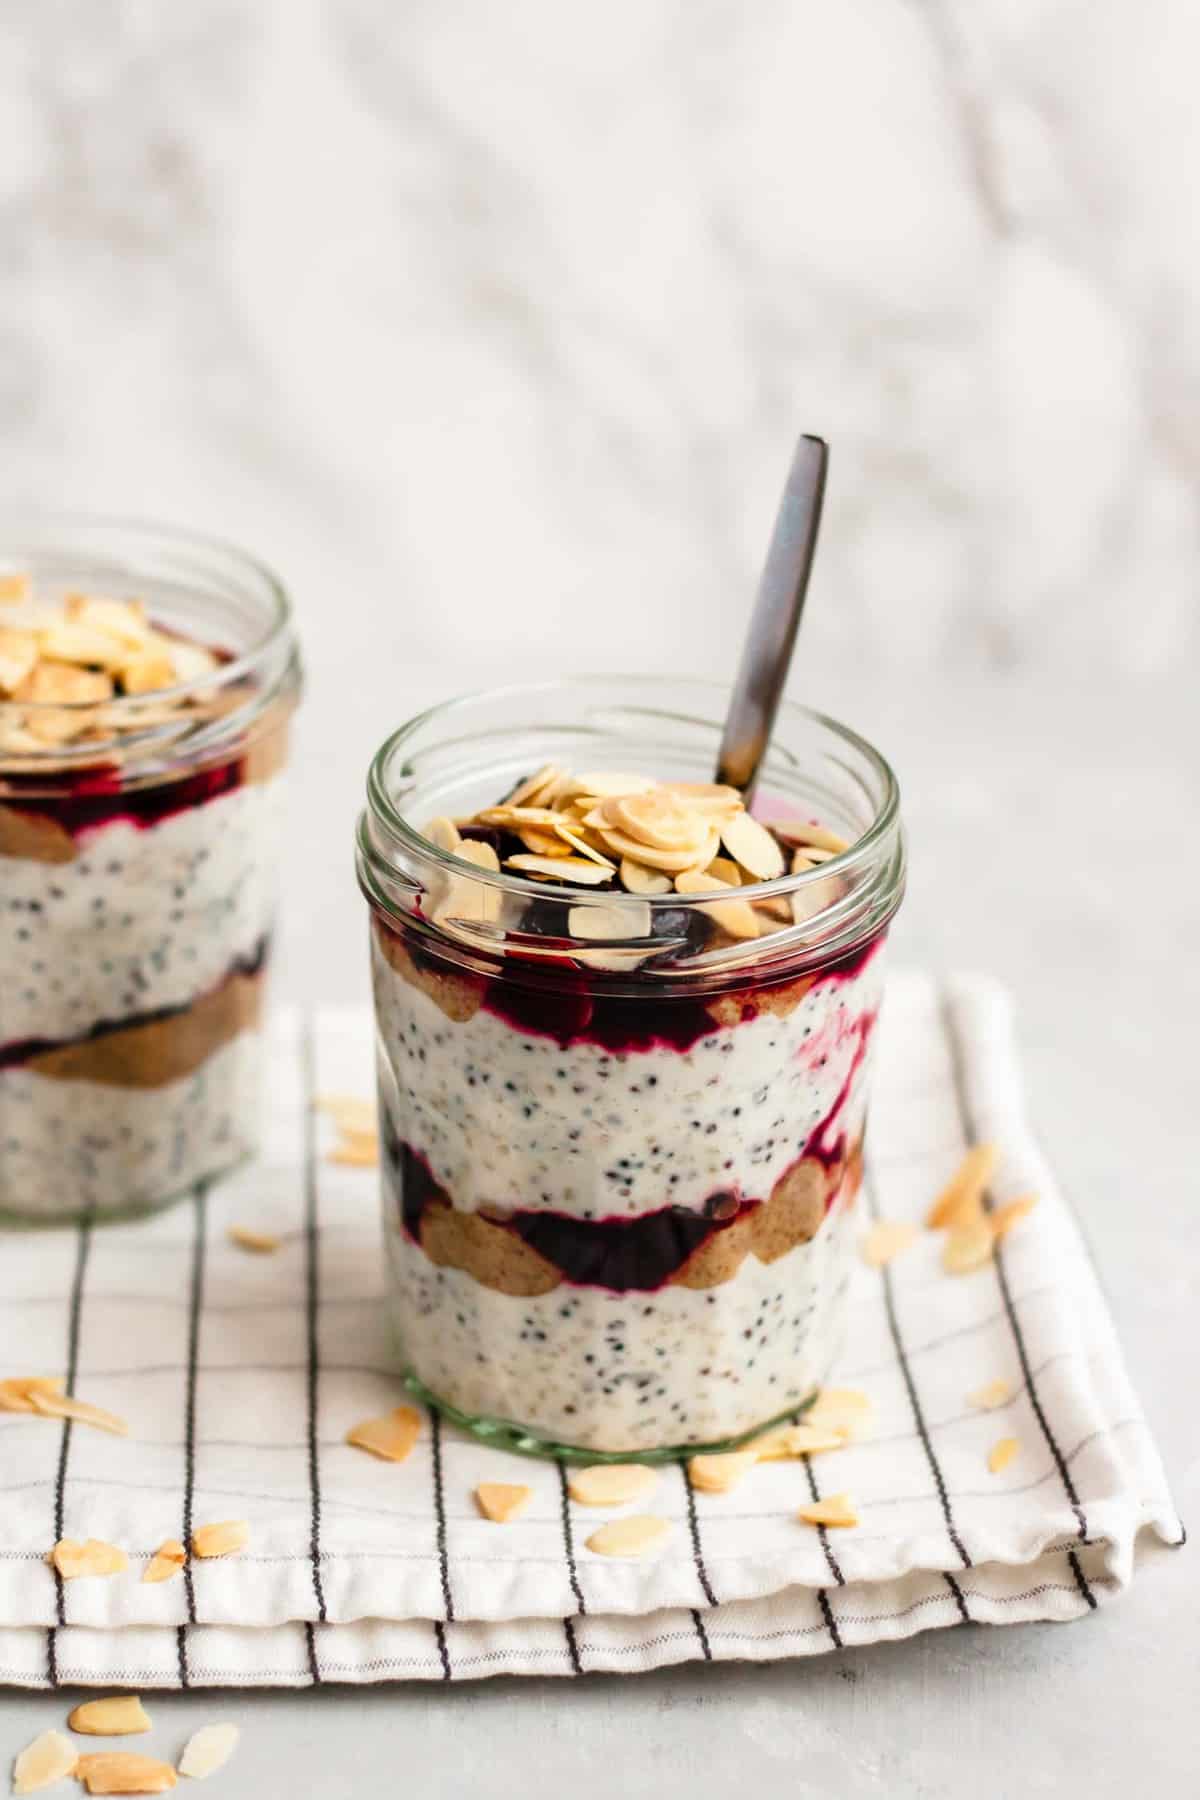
<point>160,1051</point>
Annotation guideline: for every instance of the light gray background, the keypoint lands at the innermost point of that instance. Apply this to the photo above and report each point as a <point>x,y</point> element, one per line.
<point>491,327</point>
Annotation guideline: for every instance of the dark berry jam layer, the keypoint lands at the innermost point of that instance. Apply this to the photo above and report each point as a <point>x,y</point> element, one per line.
<point>532,1252</point>
<point>146,1049</point>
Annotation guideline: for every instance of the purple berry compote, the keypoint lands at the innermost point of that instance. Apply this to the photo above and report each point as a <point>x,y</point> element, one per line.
<point>624,1030</point>
<point>146,686</point>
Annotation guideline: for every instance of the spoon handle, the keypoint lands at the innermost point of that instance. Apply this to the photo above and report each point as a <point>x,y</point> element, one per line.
<point>776,619</point>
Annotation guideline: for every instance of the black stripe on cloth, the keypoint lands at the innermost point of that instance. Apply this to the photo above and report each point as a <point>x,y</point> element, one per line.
<point>697,1557</point>
<point>439,1507</point>
<point>564,1501</point>
<point>311,1304</point>
<point>195,1308</point>
<point>834,1566</point>
<point>918,1412</point>
<point>962,1100</point>
<point>83,1245</point>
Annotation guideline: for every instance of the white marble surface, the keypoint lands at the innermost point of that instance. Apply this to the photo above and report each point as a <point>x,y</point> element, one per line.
<point>491,326</point>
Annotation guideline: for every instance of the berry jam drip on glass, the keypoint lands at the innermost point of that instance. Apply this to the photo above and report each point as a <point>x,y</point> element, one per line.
<point>624,1034</point>
<point>143,737</point>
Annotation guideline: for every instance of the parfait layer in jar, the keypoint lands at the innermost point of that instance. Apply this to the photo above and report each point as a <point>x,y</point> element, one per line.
<point>624,1031</point>
<point>146,685</point>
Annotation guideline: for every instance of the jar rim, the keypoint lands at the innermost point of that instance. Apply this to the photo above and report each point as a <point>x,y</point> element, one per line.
<point>381,807</point>
<point>66,531</point>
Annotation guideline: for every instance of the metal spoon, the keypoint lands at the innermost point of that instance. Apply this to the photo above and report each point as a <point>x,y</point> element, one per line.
<point>768,650</point>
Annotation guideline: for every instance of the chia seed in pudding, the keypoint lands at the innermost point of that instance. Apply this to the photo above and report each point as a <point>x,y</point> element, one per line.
<point>618,1210</point>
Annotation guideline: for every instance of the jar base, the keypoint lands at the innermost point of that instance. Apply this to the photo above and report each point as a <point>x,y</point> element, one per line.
<point>506,1434</point>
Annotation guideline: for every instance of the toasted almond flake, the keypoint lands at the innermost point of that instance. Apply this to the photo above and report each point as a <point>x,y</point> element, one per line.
<point>886,1239</point>
<point>1002,1453</point>
<point>442,833</point>
<point>18,654</point>
<point>168,1560</point>
<point>220,1538</point>
<point>533,785</point>
<point>991,1394</point>
<point>962,1196</point>
<point>614,783</point>
<point>719,1473</point>
<point>633,1536</point>
<point>788,1441</point>
<point>349,1112</point>
<point>968,1247</point>
<point>507,814</point>
<point>573,869</point>
<point>15,589</point>
<point>391,1438</point>
<point>16,1392</point>
<point>835,1509</point>
<point>640,880</point>
<point>737,917</point>
<point>122,619</point>
<point>208,1750</point>
<point>84,645</point>
<point>600,923</point>
<point>705,796</point>
<point>147,674</point>
<point>611,1484</point>
<point>49,1758</point>
<point>663,821</point>
<point>585,849</point>
<point>246,1238</point>
<point>540,842</point>
<point>799,831</point>
<point>356,1150</point>
<point>726,872</point>
<point>192,661</point>
<point>123,1772</point>
<point>61,684</point>
<point>813,898</point>
<point>64,1406</point>
<point>74,1560</point>
<point>474,850</point>
<point>673,862</point>
<point>1010,1214</point>
<point>502,1500</point>
<point>752,845</point>
<point>118,1715</point>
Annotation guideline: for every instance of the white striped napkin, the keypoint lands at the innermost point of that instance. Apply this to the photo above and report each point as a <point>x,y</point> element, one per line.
<point>240,1375</point>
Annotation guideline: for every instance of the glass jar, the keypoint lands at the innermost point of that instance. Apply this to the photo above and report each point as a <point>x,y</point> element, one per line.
<point>138,847</point>
<point>619,1182</point>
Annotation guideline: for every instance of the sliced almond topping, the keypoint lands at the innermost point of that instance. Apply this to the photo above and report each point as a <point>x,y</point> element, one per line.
<point>887,1239</point>
<point>613,783</point>
<point>221,1538</point>
<point>84,645</point>
<point>208,1750</point>
<point>962,1196</point>
<point>121,1715</point>
<point>629,1537</point>
<point>992,1394</point>
<point>48,1759</point>
<point>525,791</point>
<point>726,872</point>
<point>737,917</point>
<point>349,1112</point>
<point>813,898</point>
<point>585,849</point>
<point>63,1406</point>
<point>391,1437</point>
<point>835,1509</point>
<point>705,796</point>
<point>122,619</point>
<point>640,880</point>
<point>147,674</point>
<point>168,1560</point>
<point>661,820</point>
<point>752,845</point>
<point>508,814</point>
<point>18,654</point>
<point>443,833</point>
<point>574,869</point>
<point>968,1246</point>
<point>626,919</point>
<point>74,1560</point>
<point>61,684</point>
<point>1010,1214</point>
<point>16,1392</point>
<point>798,831</point>
<point>1002,1453</point>
<point>719,1473</point>
<point>544,843</point>
<point>123,1772</point>
<point>788,1441</point>
<point>248,1239</point>
<point>611,1484</point>
<point>502,1500</point>
<point>674,862</point>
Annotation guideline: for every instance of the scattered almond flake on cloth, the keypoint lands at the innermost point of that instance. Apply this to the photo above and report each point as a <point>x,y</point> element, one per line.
<point>49,1758</point>
<point>208,1750</point>
<point>280,1371</point>
<point>117,1715</point>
